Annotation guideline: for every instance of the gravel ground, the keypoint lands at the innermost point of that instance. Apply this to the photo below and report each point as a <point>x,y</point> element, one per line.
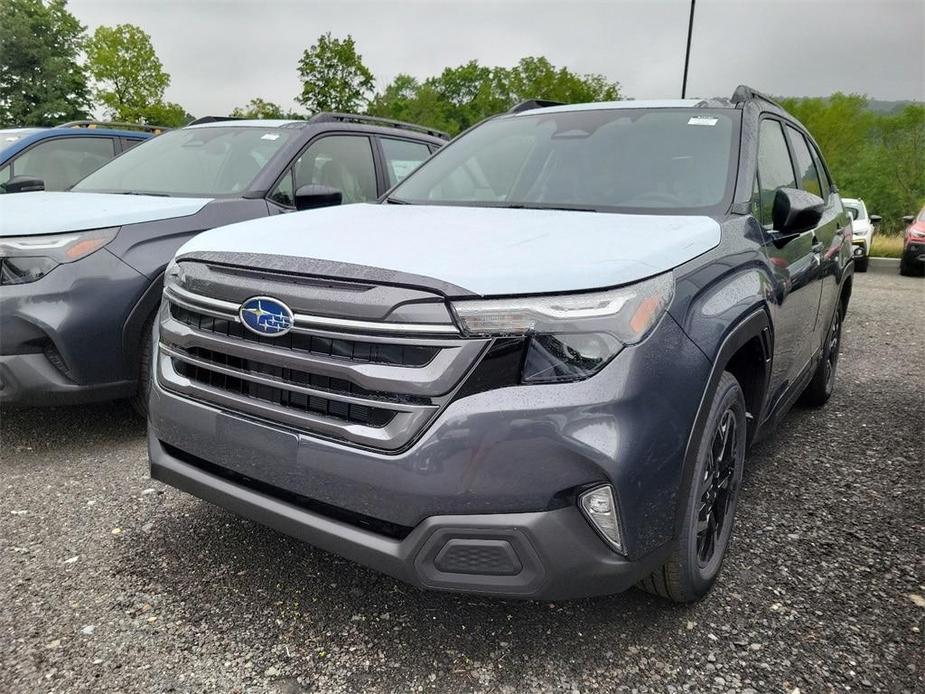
<point>110,582</point>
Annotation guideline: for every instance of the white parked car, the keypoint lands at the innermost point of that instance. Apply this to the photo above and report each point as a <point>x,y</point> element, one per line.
<point>862,231</point>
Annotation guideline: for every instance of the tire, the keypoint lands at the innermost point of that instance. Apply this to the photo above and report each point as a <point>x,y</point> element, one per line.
<point>822,385</point>
<point>907,268</point>
<point>140,399</point>
<point>860,264</point>
<point>697,555</point>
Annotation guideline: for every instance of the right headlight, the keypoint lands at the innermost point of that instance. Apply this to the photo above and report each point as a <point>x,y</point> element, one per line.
<point>572,336</point>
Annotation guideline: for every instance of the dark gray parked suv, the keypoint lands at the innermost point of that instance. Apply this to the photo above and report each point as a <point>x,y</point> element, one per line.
<point>81,272</point>
<point>534,370</point>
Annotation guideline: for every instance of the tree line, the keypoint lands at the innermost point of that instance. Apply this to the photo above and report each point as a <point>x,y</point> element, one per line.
<point>52,71</point>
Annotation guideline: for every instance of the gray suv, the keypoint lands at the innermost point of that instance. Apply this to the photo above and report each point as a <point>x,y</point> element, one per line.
<point>532,370</point>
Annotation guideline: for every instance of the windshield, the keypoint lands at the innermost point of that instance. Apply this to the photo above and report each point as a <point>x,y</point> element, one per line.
<point>204,162</point>
<point>853,211</point>
<point>641,160</point>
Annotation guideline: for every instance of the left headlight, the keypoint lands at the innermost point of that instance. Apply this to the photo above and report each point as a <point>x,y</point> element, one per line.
<point>572,336</point>
<point>26,259</point>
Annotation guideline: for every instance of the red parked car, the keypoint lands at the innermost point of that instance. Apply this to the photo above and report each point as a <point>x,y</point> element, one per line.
<point>913,257</point>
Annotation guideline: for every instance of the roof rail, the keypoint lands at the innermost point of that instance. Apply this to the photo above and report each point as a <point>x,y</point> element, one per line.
<point>92,124</point>
<point>213,119</point>
<point>745,93</point>
<point>531,104</point>
<point>333,117</point>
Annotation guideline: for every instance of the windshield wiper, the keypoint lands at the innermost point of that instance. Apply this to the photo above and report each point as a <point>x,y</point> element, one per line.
<point>540,206</point>
<point>397,201</point>
<point>137,192</point>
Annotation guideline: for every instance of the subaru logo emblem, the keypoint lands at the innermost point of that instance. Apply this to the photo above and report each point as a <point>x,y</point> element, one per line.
<point>265,316</point>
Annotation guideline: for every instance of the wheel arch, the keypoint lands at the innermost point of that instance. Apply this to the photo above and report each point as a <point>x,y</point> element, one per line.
<point>133,327</point>
<point>746,352</point>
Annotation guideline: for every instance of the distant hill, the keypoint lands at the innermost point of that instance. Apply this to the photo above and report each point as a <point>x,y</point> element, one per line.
<point>875,105</point>
<point>879,106</point>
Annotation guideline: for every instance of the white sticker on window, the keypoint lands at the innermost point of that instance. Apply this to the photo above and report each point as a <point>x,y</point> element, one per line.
<point>270,136</point>
<point>703,120</point>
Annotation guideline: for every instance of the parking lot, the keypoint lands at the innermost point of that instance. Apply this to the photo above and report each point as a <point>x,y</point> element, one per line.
<point>110,582</point>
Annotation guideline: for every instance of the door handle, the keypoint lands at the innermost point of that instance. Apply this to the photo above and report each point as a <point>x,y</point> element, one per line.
<point>818,246</point>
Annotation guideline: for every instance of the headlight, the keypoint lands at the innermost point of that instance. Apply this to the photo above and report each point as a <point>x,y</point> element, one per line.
<point>28,258</point>
<point>572,336</point>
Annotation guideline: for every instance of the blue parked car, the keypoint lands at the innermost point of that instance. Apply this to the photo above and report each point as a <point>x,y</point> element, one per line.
<point>56,158</point>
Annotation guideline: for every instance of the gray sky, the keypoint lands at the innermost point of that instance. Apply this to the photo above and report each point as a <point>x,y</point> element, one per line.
<point>221,53</point>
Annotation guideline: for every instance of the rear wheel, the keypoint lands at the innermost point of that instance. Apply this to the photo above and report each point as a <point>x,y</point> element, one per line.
<point>698,551</point>
<point>822,386</point>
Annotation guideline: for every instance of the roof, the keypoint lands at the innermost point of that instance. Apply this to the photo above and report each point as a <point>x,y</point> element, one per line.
<point>607,105</point>
<point>851,201</point>
<point>15,134</point>
<point>254,123</point>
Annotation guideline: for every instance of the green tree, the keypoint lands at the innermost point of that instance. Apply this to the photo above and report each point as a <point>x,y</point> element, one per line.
<point>41,82</point>
<point>334,77</point>
<point>462,96</point>
<point>130,79</point>
<point>879,157</point>
<point>258,108</point>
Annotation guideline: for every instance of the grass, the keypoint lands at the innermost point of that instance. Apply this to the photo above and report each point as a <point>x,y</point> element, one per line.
<point>886,246</point>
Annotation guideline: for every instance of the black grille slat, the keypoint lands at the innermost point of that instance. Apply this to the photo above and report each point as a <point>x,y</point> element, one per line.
<point>348,412</point>
<point>351,350</point>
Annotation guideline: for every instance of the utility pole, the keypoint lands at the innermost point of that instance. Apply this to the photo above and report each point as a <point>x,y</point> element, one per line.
<point>687,55</point>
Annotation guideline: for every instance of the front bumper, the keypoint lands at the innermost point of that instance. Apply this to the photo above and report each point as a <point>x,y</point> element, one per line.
<point>860,246</point>
<point>61,337</point>
<point>550,555</point>
<point>513,457</point>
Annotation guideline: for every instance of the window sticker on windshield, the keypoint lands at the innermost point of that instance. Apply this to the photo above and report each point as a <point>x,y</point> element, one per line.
<point>703,120</point>
<point>270,136</point>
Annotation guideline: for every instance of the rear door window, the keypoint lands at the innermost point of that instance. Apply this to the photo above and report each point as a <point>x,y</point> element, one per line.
<point>402,157</point>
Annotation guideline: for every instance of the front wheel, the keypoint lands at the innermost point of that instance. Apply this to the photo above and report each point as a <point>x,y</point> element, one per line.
<point>861,263</point>
<point>698,551</point>
<point>140,399</point>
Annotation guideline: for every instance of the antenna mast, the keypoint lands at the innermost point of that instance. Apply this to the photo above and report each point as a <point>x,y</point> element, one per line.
<point>687,55</point>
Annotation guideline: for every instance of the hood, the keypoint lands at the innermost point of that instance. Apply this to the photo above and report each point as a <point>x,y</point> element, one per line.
<point>488,251</point>
<point>32,214</point>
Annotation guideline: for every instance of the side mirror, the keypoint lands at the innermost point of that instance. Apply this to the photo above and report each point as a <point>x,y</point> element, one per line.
<point>794,212</point>
<point>875,219</point>
<point>23,184</point>
<point>908,219</point>
<point>312,196</point>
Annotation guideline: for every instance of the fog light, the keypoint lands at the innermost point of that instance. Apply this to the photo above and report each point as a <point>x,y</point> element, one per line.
<point>600,509</point>
<point>858,251</point>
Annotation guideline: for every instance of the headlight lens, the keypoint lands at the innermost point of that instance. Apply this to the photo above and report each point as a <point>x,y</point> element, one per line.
<point>573,336</point>
<point>28,258</point>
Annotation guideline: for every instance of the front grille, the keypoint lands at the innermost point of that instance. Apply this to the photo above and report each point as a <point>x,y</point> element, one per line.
<point>354,350</point>
<point>377,389</point>
<point>347,412</point>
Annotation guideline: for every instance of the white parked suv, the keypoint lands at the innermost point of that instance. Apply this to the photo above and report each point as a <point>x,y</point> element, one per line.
<point>862,231</point>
